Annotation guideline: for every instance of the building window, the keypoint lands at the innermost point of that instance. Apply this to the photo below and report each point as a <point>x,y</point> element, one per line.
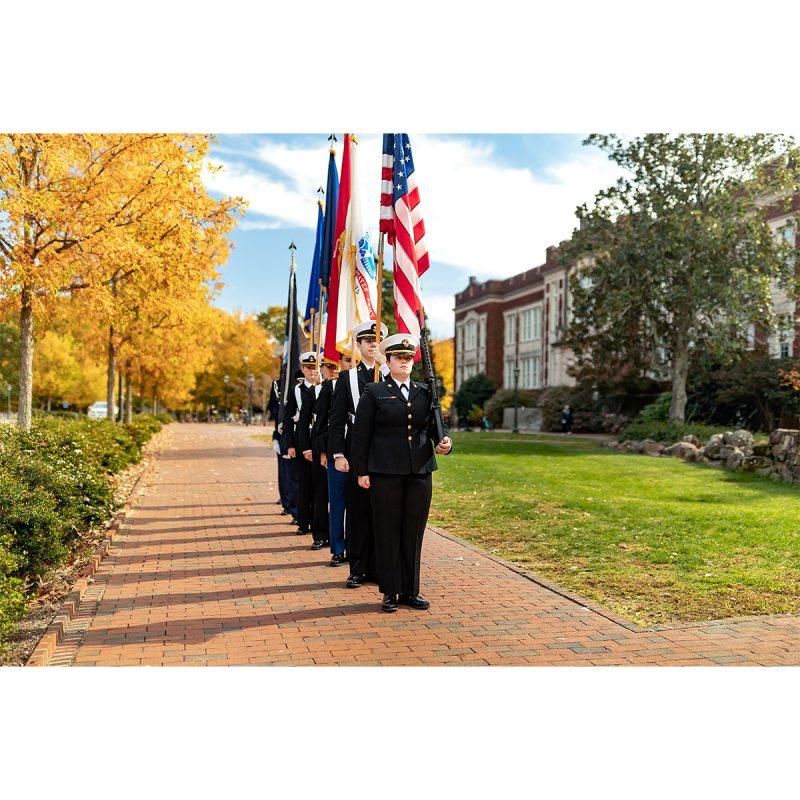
<point>787,234</point>
<point>511,328</point>
<point>509,374</point>
<point>530,372</point>
<point>530,324</point>
<point>785,350</point>
<point>471,336</point>
<point>483,334</point>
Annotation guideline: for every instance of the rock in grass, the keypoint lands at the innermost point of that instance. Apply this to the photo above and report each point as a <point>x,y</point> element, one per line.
<point>652,448</point>
<point>714,445</point>
<point>690,438</point>
<point>740,438</point>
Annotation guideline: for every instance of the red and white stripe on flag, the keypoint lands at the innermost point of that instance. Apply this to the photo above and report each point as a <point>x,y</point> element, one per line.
<point>401,220</point>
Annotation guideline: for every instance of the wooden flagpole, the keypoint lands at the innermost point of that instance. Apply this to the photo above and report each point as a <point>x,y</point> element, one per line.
<point>379,304</point>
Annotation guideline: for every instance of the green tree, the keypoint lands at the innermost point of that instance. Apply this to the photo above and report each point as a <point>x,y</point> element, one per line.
<point>678,255</point>
<point>475,391</point>
<point>273,321</point>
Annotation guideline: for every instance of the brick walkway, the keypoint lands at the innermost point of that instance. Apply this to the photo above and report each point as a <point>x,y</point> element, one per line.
<point>206,571</point>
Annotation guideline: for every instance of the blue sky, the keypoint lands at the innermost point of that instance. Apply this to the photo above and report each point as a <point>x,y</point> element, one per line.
<point>491,203</point>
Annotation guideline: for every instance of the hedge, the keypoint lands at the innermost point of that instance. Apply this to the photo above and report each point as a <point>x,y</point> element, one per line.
<point>55,482</point>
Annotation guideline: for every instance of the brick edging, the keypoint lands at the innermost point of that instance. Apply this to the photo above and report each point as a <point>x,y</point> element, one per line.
<point>55,631</point>
<point>552,587</point>
<point>597,609</point>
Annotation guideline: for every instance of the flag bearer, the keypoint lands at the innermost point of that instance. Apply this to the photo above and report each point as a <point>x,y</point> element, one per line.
<point>337,481</point>
<point>393,457</point>
<point>302,392</point>
<point>351,383</point>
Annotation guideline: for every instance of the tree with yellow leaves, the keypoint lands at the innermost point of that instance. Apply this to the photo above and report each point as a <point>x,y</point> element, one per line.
<point>83,211</point>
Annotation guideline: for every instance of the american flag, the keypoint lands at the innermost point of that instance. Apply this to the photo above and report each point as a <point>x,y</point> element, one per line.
<point>402,222</point>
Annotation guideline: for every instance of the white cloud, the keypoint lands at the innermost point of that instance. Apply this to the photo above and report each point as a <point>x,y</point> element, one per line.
<point>439,313</point>
<point>481,214</point>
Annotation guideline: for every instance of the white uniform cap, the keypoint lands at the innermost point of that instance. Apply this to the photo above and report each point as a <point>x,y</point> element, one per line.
<point>368,328</point>
<point>399,344</point>
<point>309,358</point>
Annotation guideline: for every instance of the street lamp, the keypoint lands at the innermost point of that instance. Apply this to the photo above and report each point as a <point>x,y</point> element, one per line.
<point>225,379</point>
<point>250,380</point>
<point>516,400</point>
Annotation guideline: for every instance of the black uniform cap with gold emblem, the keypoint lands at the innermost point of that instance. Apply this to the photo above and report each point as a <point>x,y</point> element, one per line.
<point>399,344</point>
<point>368,330</point>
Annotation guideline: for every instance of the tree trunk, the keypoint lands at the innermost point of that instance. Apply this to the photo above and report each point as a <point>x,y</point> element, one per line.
<point>111,374</point>
<point>679,372</point>
<point>120,399</point>
<point>128,398</point>
<point>49,403</point>
<point>25,361</point>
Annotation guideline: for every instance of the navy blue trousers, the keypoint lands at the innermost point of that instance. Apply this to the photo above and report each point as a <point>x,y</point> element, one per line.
<point>287,485</point>
<point>337,483</point>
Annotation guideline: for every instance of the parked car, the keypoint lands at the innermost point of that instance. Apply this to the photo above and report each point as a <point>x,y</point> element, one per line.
<point>99,410</point>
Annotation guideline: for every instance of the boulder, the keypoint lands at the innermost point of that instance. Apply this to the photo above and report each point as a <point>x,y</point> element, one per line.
<point>761,449</point>
<point>636,447</point>
<point>734,459</point>
<point>758,464</point>
<point>680,449</point>
<point>692,453</point>
<point>691,439</point>
<point>740,438</point>
<point>651,448</point>
<point>714,445</point>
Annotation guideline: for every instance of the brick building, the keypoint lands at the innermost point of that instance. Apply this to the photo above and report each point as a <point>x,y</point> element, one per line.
<point>513,322</point>
<point>516,321</point>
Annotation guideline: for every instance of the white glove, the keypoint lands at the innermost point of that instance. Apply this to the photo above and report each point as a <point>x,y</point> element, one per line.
<point>276,446</point>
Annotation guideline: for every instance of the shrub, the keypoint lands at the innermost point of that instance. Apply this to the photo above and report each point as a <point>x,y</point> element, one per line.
<point>54,484</point>
<point>475,391</point>
<point>598,422</point>
<point>504,398</point>
<point>657,411</point>
<point>667,432</point>
<point>12,594</point>
<point>554,399</point>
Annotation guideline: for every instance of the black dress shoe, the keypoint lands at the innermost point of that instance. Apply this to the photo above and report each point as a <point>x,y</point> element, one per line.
<point>418,602</point>
<point>337,560</point>
<point>355,582</point>
<point>284,513</point>
<point>303,531</point>
<point>317,545</point>
<point>389,603</point>
<point>294,521</point>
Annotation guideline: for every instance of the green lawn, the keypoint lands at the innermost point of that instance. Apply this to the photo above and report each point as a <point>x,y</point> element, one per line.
<point>653,539</point>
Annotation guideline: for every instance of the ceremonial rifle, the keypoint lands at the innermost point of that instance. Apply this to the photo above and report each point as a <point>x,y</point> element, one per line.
<point>430,377</point>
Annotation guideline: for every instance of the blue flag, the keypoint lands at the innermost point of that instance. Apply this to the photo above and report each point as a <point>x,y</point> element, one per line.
<point>312,304</point>
<point>331,203</point>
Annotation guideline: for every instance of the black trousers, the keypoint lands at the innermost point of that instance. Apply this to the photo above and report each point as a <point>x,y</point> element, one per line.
<point>319,485</point>
<point>305,493</point>
<point>360,534</point>
<point>400,506</point>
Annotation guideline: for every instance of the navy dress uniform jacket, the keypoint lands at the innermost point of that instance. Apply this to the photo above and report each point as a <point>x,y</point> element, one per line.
<point>392,435</point>
<point>340,428</point>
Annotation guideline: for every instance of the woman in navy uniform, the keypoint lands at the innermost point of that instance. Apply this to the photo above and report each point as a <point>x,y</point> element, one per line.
<point>393,458</point>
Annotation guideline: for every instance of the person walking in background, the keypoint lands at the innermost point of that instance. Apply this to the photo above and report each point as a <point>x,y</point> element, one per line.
<point>566,420</point>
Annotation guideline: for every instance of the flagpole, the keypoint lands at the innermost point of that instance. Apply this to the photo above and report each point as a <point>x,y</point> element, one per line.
<point>292,323</point>
<point>379,303</point>
<point>319,318</point>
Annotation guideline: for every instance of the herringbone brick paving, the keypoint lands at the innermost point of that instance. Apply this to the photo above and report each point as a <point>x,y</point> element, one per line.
<point>206,572</point>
